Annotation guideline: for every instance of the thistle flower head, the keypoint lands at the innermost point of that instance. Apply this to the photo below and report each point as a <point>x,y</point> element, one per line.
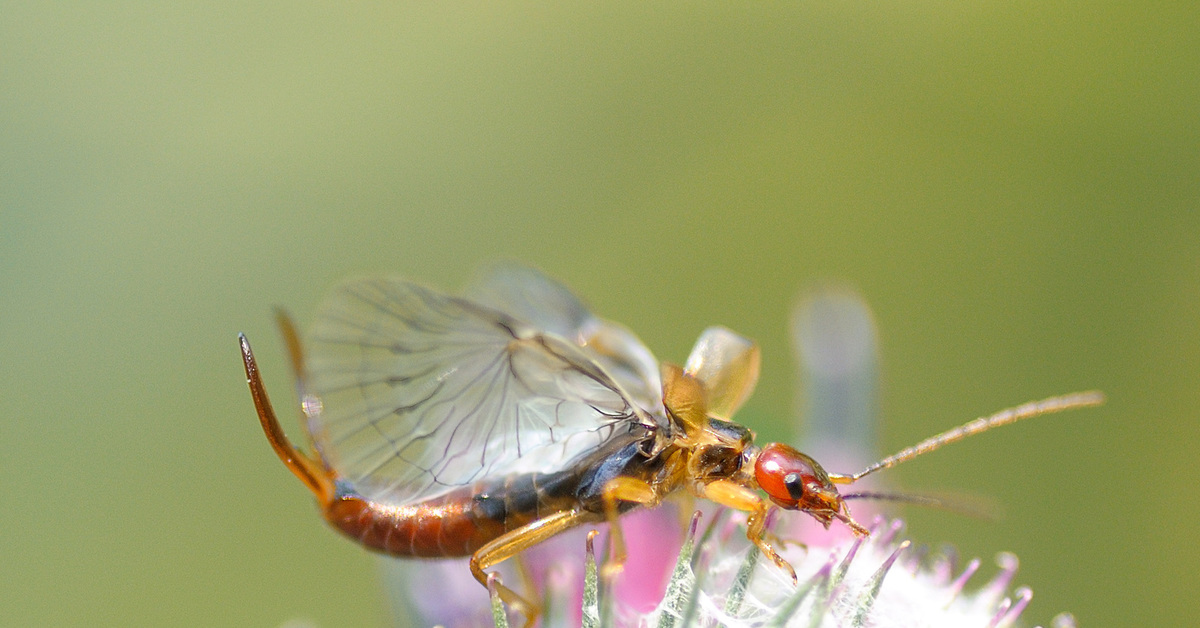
<point>879,581</point>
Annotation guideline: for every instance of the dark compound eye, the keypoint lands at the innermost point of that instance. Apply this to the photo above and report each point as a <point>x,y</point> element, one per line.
<point>794,482</point>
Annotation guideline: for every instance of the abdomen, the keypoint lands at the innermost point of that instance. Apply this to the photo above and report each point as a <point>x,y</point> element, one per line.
<point>453,524</point>
<point>463,520</point>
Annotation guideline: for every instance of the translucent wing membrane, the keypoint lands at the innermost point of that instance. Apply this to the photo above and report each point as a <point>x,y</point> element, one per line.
<point>727,364</point>
<point>526,294</point>
<point>422,392</point>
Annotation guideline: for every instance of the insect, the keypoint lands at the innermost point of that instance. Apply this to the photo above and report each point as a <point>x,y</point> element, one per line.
<point>482,425</point>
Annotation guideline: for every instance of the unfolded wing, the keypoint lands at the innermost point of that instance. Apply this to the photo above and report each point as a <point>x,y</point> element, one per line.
<point>526,294</point>
<point>422,392</point>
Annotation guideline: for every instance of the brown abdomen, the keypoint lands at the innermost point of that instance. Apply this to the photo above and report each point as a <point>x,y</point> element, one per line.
<point>442,527</point>
<point>454,524</point>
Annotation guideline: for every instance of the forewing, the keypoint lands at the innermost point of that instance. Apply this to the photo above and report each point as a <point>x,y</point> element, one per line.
<point>727,364</point>
<point>421,392</point>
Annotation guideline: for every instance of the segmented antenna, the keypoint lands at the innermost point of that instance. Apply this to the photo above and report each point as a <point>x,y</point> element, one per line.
<point>983,424</point>
<point>966,505</point>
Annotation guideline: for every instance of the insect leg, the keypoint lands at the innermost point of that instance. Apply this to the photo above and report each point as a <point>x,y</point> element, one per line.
<point>629,490</point>
<point>511,543</point>
<point>734,495</point>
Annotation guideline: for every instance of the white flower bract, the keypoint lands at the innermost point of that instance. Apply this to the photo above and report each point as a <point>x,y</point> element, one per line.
<point>871,582</point>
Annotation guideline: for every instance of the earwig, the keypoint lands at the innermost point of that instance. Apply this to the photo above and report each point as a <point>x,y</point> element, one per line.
<point>421,411</point>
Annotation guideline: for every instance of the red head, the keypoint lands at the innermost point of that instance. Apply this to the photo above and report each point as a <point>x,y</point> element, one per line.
<point>795,481</point>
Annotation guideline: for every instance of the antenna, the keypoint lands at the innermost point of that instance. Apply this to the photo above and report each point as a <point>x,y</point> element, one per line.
<point>967,505</point>
<point>1004,417</point>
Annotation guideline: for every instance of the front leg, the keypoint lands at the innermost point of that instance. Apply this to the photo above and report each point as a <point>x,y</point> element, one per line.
<point>734,495</point>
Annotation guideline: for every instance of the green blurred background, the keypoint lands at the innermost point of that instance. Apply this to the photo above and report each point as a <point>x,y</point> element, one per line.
<point>1013,186</point>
